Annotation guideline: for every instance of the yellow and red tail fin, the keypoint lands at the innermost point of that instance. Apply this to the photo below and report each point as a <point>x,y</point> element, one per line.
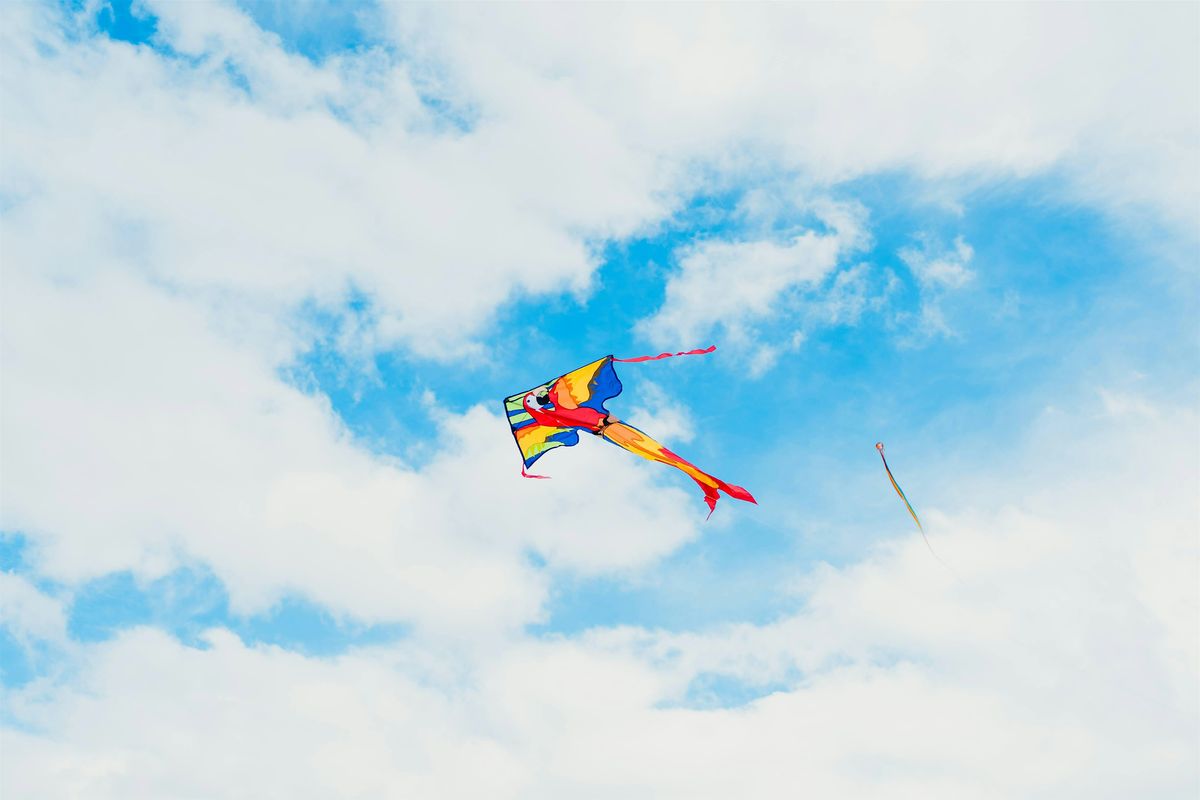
<point>635,441</point>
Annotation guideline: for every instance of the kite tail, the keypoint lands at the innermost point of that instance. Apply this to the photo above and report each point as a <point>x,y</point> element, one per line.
<point>703,352</point>
<point>908,505</point>
<point>525,474</point>
<point>899,491</point>
<point>630,438</point>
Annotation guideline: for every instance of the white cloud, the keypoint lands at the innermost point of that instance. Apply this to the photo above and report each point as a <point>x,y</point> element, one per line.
<point>938,270</point>
<point>29,614</point>
<point>763,358</point>
<point>233,721</point>
<point>665,418</point>
<point>242,168</point>
<point>308,182</point>
<point>844,302</point>
<point>835,92</point>
<point>945,268</point>
<point>731,285</point>
<point>1060,659</point>
<point>736,95</point>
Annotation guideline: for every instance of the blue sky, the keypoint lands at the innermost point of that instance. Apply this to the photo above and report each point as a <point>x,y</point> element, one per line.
<point>252,414</point>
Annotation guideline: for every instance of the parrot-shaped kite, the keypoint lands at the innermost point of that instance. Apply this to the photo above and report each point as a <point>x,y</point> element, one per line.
<point>552,415</point>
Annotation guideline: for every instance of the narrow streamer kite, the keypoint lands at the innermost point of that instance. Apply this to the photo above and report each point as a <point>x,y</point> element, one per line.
<point>908,505</point>
<point>552,414</point>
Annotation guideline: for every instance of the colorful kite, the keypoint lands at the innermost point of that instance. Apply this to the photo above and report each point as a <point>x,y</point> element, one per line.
<point>908,505</point>
<point>899,491</point>
<point>552,415</point>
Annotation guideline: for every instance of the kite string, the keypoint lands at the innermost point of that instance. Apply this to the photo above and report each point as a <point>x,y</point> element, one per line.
<point>703,352</point>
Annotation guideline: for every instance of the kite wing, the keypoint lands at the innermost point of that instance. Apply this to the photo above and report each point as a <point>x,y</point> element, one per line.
<point>587,387</point>
<point>590,386</point>
<point>534,439</point>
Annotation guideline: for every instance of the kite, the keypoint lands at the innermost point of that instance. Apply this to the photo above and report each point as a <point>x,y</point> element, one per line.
<point>899,491</point>
<point>908,505</point>
<point>552,414</point>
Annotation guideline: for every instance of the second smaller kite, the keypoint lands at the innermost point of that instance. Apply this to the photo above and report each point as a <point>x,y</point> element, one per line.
<point>908,505</point>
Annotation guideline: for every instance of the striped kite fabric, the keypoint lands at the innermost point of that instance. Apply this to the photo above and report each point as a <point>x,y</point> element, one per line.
<point>552,414</point>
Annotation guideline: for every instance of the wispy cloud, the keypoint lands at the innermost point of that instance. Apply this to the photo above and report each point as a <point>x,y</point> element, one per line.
<point>30,614</point>
<point>939,270</point>
<point>730,286</point>
<point>936,267</point>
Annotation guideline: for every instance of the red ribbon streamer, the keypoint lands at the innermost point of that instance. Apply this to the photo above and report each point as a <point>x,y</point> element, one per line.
<point>703,352</point>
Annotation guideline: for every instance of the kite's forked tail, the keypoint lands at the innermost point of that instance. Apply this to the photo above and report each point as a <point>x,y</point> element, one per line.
<point>630,438</point>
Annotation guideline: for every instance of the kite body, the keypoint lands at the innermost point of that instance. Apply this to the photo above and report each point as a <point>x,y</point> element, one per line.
<point>553,414</point>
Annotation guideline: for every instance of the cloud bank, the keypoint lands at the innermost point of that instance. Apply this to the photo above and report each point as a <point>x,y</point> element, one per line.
<point>1058,658</point>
